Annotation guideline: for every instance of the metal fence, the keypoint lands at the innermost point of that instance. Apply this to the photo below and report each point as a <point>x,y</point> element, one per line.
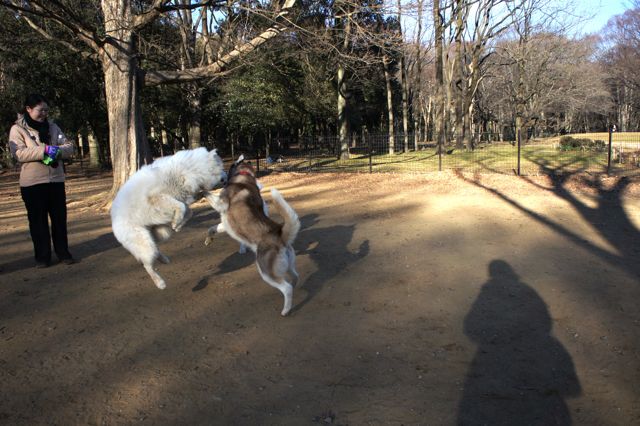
<point>611,153</point>
<point>606,152</point>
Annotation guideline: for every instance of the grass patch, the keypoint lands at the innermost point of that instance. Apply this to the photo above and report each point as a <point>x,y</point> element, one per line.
<point>536,158</point>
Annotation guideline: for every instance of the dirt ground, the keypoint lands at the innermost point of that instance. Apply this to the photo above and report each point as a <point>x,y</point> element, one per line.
<point>424,300</point>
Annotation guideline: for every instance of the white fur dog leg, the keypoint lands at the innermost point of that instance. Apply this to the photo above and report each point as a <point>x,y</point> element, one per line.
<point>213,230</point>
<point>157,279</point>
<point>175,211</point>
<point>291,259</point>
<point>285,288</point>
<point>181,216</point>
<point>216,203</point>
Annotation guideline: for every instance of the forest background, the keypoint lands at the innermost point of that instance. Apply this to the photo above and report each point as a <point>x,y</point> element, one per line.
<point>137,79</point>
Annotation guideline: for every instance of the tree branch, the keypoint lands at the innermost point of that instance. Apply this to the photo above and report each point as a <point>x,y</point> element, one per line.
<point>163,6</point>
<point>66,44</point>
<point>214,69</point>
<point>66,20</point>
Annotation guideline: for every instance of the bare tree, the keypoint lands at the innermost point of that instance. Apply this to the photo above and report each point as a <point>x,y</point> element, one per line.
<point>402,74</point>
<point>389,91</point>
<point>532,22</point>
<point>439,104</point>
<point>622,43</point>
<point>343,119</point>
<point>476,28</point>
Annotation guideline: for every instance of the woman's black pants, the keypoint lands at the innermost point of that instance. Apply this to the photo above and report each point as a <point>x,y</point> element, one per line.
<point>44,201</point>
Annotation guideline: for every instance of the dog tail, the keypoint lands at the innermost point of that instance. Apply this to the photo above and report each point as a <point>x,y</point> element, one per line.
<point>291,222</point>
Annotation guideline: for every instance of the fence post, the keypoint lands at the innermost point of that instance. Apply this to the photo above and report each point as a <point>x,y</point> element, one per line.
<point>310,146</point>
<point>440,148</point>
<point>519,138</point>
<point>370,154</point>
<point>610,150</point>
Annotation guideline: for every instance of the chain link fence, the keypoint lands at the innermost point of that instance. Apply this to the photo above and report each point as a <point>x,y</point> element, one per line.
<point>611,153</point>
<point>606,152</point>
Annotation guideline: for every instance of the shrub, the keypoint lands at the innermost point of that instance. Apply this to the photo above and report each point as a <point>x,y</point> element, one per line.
<point>568,143</point>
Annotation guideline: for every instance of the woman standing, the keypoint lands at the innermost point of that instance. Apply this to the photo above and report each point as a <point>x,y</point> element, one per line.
<point>40,146</point>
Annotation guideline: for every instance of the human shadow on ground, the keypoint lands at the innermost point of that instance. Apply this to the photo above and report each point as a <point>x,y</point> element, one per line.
<point>520,373</point>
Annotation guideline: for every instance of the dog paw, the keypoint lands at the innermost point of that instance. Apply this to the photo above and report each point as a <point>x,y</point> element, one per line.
<point>163,259</point>
<point>208,241</point>
<point>161,285</point>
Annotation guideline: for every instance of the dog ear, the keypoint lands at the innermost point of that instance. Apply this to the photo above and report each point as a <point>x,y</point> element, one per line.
<point>239,160</point>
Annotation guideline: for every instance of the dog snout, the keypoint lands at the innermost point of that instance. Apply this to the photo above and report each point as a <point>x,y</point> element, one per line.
<point>223,178</point>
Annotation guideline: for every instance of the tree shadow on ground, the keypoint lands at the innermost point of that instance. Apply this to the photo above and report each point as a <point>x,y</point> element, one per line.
<point>607,215</point>
<point>520,373</point>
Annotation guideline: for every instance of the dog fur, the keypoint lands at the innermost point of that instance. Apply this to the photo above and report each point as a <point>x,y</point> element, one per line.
<point>265,206</point>
<point>242,216</point>
<point>155,201</point>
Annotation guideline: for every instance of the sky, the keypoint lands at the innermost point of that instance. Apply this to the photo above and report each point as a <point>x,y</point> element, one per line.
<point>602,11</point>
<point>593,15</point>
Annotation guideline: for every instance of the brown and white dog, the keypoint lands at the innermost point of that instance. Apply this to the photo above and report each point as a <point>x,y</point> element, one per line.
<point>243,217</point>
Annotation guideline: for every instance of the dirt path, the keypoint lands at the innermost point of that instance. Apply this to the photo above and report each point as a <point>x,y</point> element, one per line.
<point>423,301</point>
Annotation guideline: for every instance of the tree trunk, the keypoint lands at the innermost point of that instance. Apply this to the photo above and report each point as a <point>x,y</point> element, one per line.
<point>458,82</point>
<point>387,79</point>
<point>343,119</point>
<point>195,132</point>
<point>94,150</point>
<point>439,107</point>
<point>127,139</point>
<point>467,124</point>
<point>343,107</point>
<point>418,97</point>
<point>405,104</point>
<point>403,85</point>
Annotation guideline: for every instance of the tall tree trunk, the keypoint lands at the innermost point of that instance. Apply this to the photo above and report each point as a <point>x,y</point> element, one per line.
<point>405,104</point>
<point>458,80</point>
<point>195,116</point>
<point>343,119</point>
<point>127,139</point>
<point>439,105</point>
<point>94,150</point>
<point>387,79</point>
<point>343,107</point>
<point>403,84</point>
<point>418,97</point>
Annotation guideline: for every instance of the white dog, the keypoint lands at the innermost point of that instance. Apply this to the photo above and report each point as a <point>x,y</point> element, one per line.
<point>242,214</point>
<point>155,201</point>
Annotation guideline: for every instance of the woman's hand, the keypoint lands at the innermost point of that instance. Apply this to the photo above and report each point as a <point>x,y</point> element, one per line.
<point>51,154</point>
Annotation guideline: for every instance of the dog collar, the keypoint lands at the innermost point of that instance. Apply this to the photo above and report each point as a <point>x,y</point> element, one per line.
<point>246,173</point>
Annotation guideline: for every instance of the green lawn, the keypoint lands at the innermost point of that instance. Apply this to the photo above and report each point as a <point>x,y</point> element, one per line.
<point>540,156</point>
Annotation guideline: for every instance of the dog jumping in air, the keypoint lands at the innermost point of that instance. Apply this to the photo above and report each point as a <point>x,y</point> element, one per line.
<point>243,217</point>
<point>155,201</point>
